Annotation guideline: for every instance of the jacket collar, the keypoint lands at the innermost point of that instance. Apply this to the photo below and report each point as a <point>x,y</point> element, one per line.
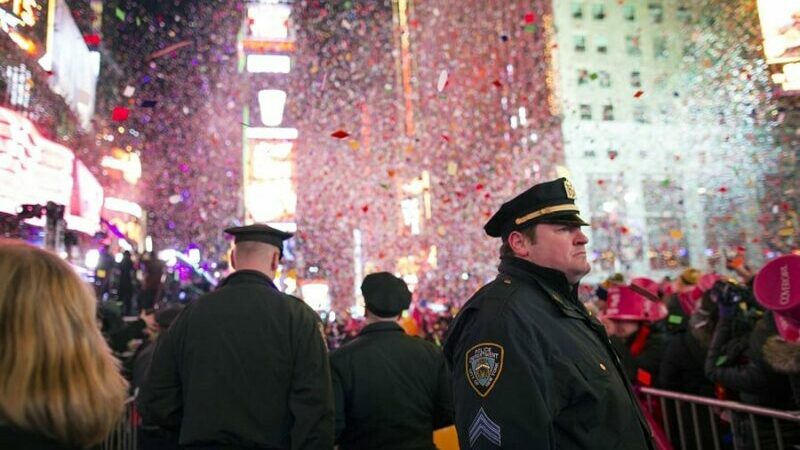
<point>246,276</point>
<point>554,282</point>
<point>380,326</point>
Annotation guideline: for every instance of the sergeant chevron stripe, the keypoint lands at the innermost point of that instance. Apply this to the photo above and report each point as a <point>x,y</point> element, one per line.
<point>482,425</point>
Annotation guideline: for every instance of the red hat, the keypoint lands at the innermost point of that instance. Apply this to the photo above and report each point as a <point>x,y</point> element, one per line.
<point>645,286</point>
<point>776,287</point>
<point>625,303</point>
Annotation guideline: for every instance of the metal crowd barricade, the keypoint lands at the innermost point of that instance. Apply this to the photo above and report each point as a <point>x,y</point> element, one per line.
<point>123,436</point>
<point>750,427</point>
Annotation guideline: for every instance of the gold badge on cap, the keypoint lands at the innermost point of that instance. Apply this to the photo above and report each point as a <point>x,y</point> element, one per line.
<point>570,189</point>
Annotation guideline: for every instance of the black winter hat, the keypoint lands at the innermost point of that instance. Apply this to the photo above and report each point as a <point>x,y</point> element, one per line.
<point>385,295</point>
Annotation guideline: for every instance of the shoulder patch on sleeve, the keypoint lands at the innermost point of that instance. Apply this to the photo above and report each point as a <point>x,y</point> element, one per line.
<point>483,426</point>
<point>483,365</point>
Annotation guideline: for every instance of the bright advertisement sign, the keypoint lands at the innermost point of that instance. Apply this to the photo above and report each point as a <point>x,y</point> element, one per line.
<point>36,170</point>
<point>87,201</point>
<point>74,68</point>
<point>26,23</point>
<point>269,191</point>
<point>780,28</point>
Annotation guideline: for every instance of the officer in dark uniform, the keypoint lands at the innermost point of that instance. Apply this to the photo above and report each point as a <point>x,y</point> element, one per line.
<point>532,369</point>
<point>392,390</point>
<point>245,366</point>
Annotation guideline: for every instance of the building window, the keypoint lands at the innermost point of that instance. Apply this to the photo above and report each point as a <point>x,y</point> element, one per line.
<point>604,78</point>
<point>608,112</point>
<point>589,154</point>
<point>601,44</point>
<point>577,10</point>
<point>580,43</point>
<point>629,13</point>
<point>639,114</point>
<point>586,112</point>
<point>598,11</point>
<point>683,15</point>
<point>583,77</point>
<point>656,12</point>
<point>632,46</point>
<point>17,85</point>
<point>636,79</point>
<point>660,47</point>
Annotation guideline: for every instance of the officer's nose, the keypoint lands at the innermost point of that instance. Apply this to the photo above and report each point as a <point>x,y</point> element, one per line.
<point>580,238</point>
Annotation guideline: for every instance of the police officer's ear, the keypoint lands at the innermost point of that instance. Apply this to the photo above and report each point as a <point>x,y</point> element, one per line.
<point>519,243</point>
<point>276,259</point>
<point>232,257</point>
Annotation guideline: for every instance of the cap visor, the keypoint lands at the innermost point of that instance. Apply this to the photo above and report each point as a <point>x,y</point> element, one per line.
<point>563,219</point>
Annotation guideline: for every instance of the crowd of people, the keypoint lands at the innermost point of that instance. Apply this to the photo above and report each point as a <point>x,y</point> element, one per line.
<point>533,348</point>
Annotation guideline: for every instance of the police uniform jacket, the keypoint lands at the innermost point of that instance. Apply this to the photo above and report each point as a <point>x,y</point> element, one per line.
<point>392,390</point>
<point>244,366</point>
<point>531,369</point>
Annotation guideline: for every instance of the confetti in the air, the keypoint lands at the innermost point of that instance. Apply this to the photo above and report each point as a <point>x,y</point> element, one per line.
<point>440,85</point>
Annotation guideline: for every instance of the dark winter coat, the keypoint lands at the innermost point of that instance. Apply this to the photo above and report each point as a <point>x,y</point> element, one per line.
<point>642,368</point>
<point>784,357</point>
<point>392,390</point>
<point>244,366</point>
<point>532,369</point>
<point>14,438</point>
<point>683,363</point>
<point>755,381</point>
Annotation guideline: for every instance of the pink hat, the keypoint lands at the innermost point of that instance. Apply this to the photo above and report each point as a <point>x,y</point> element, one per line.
<point>645,286</point>
<point>667,288</point>
<point>625,303</point>
<point>777,288</point>
<point>788,331</point>
<point>689,300</point>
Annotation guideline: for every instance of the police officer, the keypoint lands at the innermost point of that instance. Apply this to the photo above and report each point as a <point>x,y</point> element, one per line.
<point>392,390</point>
<point>244,366</point>
<point>531,367</point>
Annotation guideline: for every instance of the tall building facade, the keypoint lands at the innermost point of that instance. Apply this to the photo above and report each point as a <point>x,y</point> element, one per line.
<point>665,130</point>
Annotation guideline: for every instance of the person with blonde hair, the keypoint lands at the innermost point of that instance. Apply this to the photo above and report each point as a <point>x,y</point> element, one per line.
<point>60,387</point>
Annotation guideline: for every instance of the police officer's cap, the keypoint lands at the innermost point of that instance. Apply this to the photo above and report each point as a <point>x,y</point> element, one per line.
<point>385,295</point>
<point>259,233</point>
<point>550,202</point>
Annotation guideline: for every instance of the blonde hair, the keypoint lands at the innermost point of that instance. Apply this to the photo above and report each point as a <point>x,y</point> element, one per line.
<point>57,375</point>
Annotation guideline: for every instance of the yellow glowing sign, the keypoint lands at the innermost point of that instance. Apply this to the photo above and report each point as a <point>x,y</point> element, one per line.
<point>26,22</point>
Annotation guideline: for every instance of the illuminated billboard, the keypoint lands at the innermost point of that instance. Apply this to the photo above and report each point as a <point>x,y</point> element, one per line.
<point>26,23</point>
<point>780,28</point>
<point>87,201</point>
<point>33,169</point>
<point>269,191</point>
<point>269,22</point>
<point>36,170</point>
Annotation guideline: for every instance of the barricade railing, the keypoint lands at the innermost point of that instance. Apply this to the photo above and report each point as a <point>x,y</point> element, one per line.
<point>123,436</point>
<point>693,422</point>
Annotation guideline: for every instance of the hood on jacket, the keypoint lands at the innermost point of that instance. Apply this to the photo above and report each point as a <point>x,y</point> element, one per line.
<point>782,356</point>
